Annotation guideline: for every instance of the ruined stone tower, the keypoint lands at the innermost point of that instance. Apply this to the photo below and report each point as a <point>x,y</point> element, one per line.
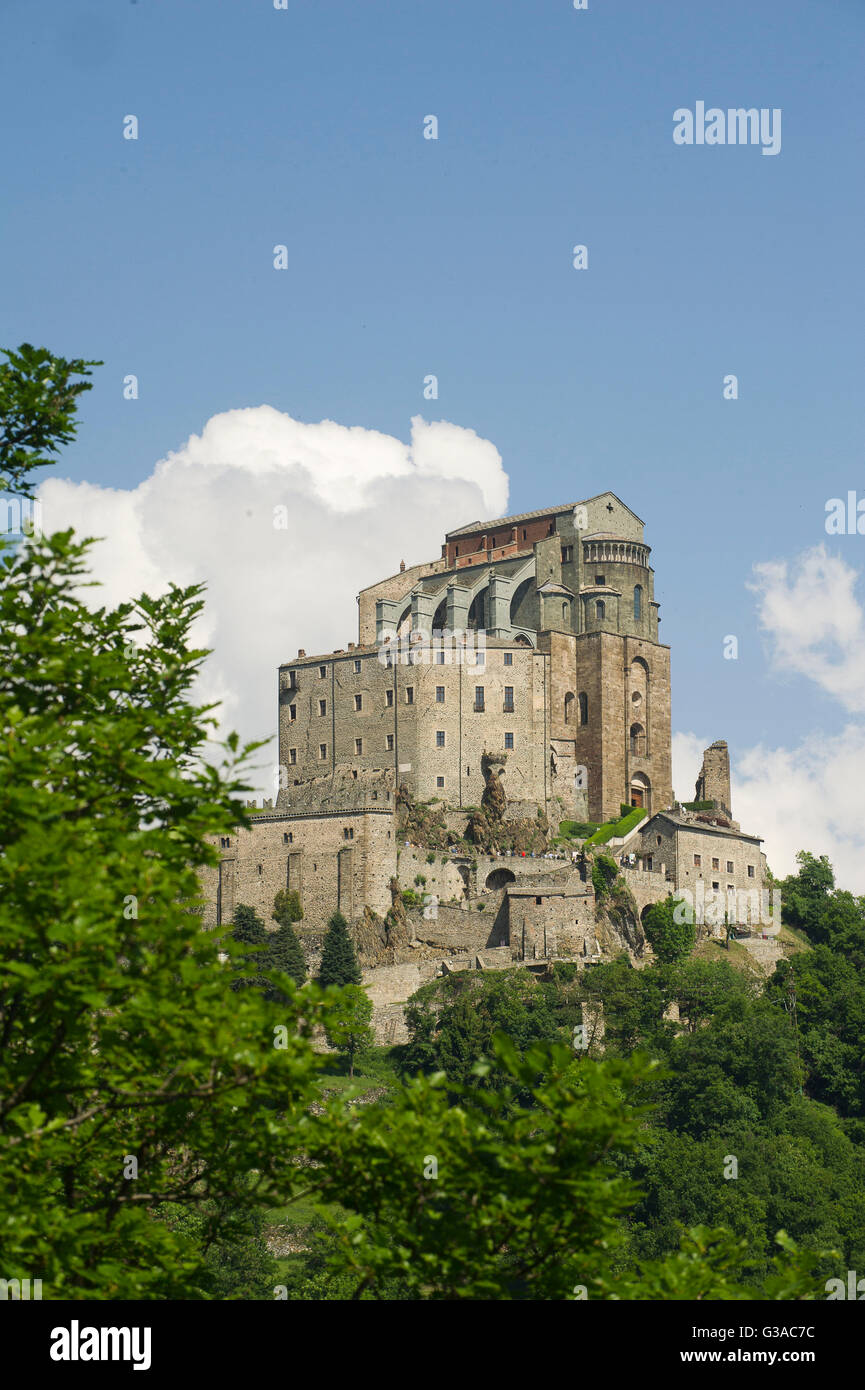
<point>713,783</point>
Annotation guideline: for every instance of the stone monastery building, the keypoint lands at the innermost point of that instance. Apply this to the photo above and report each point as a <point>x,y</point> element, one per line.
<point>529,648</point>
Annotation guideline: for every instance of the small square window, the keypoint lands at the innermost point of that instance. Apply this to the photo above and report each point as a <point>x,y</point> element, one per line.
<point>358,746</point>
<point>440,694</point>
<point>729,866</point>
<point>390,743</point>
<point>322,672</point>
<point>440,738</point>
<point>409,694</point>
<point>509,658</point>
<point>322,751</point>
<point>292,755</point>
<point>600,579</point>
<point>358,702</point>
<point>538,902</point>
<point>322,708</point>
<point>440,781</point>
<point>357,668</point>
<point>509,740</point>
<point>388,698</point>
<point>715,886</point>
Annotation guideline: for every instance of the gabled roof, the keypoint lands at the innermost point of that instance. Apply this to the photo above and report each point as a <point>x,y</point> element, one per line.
<point>531,516</point>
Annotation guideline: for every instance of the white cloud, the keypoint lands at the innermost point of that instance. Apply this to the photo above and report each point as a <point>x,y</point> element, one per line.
<point>806,797</point>
<point>815,625</point>
<point>357,501</point>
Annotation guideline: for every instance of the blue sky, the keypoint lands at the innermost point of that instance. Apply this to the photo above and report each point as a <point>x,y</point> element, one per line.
<point>410,256</point>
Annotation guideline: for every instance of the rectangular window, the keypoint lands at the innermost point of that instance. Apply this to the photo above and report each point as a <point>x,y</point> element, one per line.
<point>292,755</point>
<point>567,554</point>
<point>715,887</point>
<point>649,864</point>
<point>440,694</point>
<point>388,698</point>
<point>509,697</point>
<point>509,658</point>
<point>440,658</point>
<point>715,864</point>
<point>750,870</point>
<point>509,740</point>
<point>322,672</point>
<point>479,697</point>
<point>358,702</point>
<point>390,743</point>
<point>357,668</point>
<point>599,579</point>
<point>409,694</point>
<point>480,658</point>
<point>358,746</point>
<point>322,751</point>
<point>440,738</point>
<point>729,866</point>
<point>697,861</point>
<point>348,833</point>
<point>292,712</point>
<point>440,781</point>
<point>322,707</point>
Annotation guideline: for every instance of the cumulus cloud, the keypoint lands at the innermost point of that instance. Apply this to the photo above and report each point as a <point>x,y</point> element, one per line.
<point>806,797</point>
<point>814,623</point>
<point>356,501</point>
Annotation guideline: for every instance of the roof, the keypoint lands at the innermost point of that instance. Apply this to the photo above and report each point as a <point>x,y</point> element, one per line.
<point>691,823</point>
<point>507,520</point>
<point>541,511</point>
<point>550,588</point>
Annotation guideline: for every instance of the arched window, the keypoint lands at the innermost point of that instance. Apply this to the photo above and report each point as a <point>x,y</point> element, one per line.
<point>638,602</point>
<point>564,612</point>
<point>638,739</point>
<point>584,707</point>
<point>600,609</point>
<point>569,706</point>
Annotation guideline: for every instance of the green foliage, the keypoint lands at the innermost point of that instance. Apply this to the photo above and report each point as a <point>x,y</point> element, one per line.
<point>452,1021</point>
<point>699,805</point>
<point>284,954</point>
<point>38,401</point>
<point>339,964</point>
<point>347,1024</point>
<point>577,829</point>
<point>410,898</point>
<point>120,1038</point>
<point>671,940</point>
<point>605,871</point>
<point>247,927</point>
<point>286,908</point>
<point>616,829</point>
<point>238,1264</point>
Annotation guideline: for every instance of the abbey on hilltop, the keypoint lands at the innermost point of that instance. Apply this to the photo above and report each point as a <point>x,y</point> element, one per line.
<point>500,701</point>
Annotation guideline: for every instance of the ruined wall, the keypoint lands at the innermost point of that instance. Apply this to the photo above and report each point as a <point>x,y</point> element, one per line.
<point>713,783</point>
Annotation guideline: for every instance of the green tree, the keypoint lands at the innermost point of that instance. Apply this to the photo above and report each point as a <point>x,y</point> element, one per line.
<point>347,1024</point>
<point>38,401</point>
<point>286,907</point>
<point>671,940</point>
<point>247,927</point>
<point>285,954</point>
<point>338,959</point>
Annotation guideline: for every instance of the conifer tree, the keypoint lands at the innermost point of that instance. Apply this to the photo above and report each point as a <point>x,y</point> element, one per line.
<point>338,960</point>
<point>284,952</point>
<point>247,926</point>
